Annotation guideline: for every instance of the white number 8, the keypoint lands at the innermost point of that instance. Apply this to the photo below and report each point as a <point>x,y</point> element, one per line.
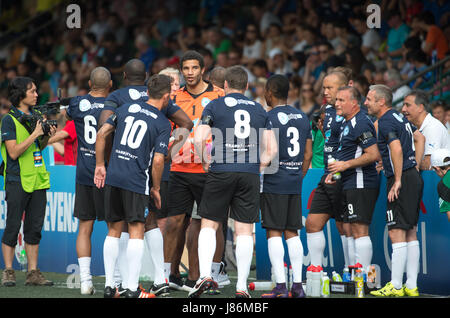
<point>242,126</point>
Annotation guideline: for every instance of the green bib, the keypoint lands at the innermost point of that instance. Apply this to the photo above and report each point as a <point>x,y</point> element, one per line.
<point>33,174</point>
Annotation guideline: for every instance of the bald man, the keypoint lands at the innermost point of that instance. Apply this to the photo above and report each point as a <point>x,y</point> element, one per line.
<point>89,202</point>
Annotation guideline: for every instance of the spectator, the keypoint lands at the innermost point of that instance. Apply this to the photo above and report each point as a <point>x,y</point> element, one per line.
<point>101,25</point>
<point>313,66</point>
<point>69,135</point>
<point>115,56</point>
<point>305,38</point>
<point>362,85</point>
<point>295,83</point>
<point>166,24</point>
<point>260,69</point>
<point>308,103</point>
<point>258,96</point>
<point>278,64</point>
<point>392,79</point>
<point>273,39</point>
<point>116,27</point>
<point>419,60</point>
<point>145,52</point>
<point>435,39</point>
<point>252,45</point>
<point>438,109</point>
<point>440,161</point>
<point>415,108</point>
<point>216,42</point>
<point>371,40</point>
<point>397,35</point>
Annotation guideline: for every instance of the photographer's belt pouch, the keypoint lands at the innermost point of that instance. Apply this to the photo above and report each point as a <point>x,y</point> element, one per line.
<point>37,158</point>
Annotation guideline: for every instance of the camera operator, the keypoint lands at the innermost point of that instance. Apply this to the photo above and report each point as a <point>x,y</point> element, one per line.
<point>25,176</point>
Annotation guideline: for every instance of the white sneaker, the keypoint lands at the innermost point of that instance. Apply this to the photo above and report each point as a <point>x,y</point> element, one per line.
<point>87,288</point>
<point>222,278</point>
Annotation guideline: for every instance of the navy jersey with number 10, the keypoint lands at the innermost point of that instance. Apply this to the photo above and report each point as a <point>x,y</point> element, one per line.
<point>293,131</point>
<point>239,121</point>
<point>141,130</point>
<point>85,112</point>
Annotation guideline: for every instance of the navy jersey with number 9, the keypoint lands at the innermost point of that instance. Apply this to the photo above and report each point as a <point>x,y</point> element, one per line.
<point>141,130</point>
<point>293,131</point>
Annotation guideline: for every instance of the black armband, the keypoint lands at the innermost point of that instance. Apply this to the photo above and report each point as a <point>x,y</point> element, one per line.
<point>110,103</point>
<point>207,120</point>
<point>364,138</point>
<point>113,118</point>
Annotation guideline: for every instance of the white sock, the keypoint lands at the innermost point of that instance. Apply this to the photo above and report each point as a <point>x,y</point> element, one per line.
<point>399,254</point>
<point>215,268</point>
<point>244,256</point>
<point>110,254</point>
<point>345,249</point>
<point>295,249</point>
<point>351,250</point>
<point>135,250</point>
<point>206,250</point>
<point>155,243</point>
<point>276,255</point>
<point>363,251</point>
<point>85,268</point>
<point>412,264</point>
<point>122,264</point>
<point>167,267</point>
<point>316,246</point>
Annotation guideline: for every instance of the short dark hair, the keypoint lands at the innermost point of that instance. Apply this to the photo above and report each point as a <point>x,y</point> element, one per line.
<point>420,97</point>
<point>17,89</point>
<point>236,77</point>
<point>192,55</point>
<point>158,85</point>
<point>278,85</point>
<point>354,93</point>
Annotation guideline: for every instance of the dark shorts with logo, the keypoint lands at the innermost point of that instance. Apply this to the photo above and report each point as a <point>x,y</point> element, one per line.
<point>403,213</point>
<point>124,205</point>
<point>164,193</point>
<point>360,205</point>
<point>328,199</point>
<point>89,203</point>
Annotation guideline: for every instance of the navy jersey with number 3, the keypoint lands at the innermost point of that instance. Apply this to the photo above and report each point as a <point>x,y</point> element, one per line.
<point>85,112</point>
<point>141,130</point>
<point>238,120</point>
<point>293,131</point>
<point>394,126</point>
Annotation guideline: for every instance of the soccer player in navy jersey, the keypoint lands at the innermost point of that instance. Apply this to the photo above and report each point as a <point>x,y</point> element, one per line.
<point>356,157</point>
<point>89,200</point>
<point>327,201</point>
<point>135,90</point>
<point>140,145</point>
<point>401,147</point>
<point>233,180</point>
<point>280,200</point>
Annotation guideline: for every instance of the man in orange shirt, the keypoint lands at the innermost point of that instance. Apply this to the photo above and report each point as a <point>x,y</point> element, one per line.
<point>435,38</point>
<point>187,177</point>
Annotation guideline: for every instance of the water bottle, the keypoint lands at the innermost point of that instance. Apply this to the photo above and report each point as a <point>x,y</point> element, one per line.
<point>346,275</point>
<point>337,175</point>
<point>316,281</point>
<point>261,286</point>
<point>336,277</point>
<point>309,279</point>
<point>325,290</point>
<point>359,284</point>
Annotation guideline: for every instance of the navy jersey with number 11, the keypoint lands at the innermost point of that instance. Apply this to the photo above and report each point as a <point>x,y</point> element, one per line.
<point>293,131</point>
<point>141,130</point>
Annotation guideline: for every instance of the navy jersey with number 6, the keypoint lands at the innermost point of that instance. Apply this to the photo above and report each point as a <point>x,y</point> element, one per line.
<point>357,134</point>
<point>85,112</point>
<point>141,130</point>
<point>394,126</point>
<point>332,129</point>
<point>237,123</point>
<point>293,131</point>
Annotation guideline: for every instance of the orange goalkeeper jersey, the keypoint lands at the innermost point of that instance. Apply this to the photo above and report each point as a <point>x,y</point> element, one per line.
<point>187,159</point>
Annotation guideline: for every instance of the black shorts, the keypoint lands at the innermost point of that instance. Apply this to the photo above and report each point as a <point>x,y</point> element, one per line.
<point>237,192</point>
<point>124,205</point>
<point>328,199</point>
<point>403,213</point>
<point>360,205</point>
<point>281,211</point>
<point>89,203</point>
<point>164,192</point>
<point>184,189</point>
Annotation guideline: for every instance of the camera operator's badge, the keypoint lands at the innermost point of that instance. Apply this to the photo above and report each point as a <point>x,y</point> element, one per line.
<point>37,158</point>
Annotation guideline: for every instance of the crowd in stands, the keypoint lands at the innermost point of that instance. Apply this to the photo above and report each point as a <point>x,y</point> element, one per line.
<point>301,39</point>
